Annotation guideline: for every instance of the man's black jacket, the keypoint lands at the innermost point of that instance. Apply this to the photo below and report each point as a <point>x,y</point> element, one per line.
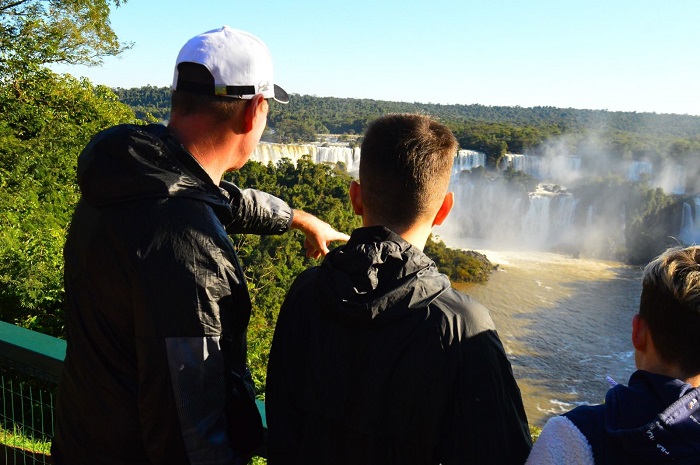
<point>157,308</point>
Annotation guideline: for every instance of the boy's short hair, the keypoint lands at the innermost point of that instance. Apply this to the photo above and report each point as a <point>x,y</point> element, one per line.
<point>189,103</point>
<point>405,167</point>
<point>670,305</point>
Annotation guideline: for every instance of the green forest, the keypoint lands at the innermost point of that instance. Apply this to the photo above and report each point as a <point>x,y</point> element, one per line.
<point>493,130</point>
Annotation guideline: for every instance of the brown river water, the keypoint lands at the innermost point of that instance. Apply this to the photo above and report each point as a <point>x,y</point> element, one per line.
<point>565,323</point>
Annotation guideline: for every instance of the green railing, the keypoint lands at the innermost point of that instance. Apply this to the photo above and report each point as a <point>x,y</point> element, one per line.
<point>30,367</point>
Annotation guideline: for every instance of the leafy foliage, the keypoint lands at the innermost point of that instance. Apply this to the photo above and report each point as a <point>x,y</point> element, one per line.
<point>459,265</point>
<point>148,102</point>
<point>649,214</point>
<point>35,32</point>
<point>46,120</point>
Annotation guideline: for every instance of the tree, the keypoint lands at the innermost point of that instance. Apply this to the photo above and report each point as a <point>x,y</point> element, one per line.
<point>45,121</point>
<point>35,32</point>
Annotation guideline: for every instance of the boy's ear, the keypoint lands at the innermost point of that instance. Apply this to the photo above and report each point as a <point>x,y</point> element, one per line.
<point>640,333</point>
<point>445,208</point>
<point>356,198</point>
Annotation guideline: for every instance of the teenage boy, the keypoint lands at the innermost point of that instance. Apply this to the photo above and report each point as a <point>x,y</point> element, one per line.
<point>376,359</point>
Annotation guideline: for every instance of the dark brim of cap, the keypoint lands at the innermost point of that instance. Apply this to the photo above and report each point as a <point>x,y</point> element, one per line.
<point>281,95</point>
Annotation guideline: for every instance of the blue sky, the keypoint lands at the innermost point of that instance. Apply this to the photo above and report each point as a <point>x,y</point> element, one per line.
<point>619,55</point>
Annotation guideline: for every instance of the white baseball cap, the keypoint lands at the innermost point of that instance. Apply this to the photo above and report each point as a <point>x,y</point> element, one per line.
<point>240,63</point>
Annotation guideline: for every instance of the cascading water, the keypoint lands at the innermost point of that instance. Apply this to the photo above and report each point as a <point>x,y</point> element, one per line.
<point>272,153</point>
<point>545,219</point>
<point>530,165</point>
<point>266,153</point>
<point>638,169</point>
<point>552,220</point>
<point>690,222</point>
<point>501,216</point>
<point>335,154</point>
<point>562,168</point>
<point>468,160</point>
<point>672,179</point>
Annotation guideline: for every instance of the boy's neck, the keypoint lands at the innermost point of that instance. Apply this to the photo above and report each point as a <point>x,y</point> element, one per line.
<point>415,234</point>
<point>694,381</point>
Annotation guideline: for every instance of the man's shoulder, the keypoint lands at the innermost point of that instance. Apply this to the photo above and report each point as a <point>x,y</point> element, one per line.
<point>128,130</point>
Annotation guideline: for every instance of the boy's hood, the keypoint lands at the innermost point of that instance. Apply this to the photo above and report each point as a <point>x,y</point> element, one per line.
<point>672,435</point>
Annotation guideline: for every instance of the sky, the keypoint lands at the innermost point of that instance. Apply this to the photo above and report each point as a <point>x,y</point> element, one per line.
<point>616,55</point>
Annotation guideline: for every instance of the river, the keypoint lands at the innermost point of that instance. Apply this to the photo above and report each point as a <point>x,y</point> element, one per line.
<point>565,323</point>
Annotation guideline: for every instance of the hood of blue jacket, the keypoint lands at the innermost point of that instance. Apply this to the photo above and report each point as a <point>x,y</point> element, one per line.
<point>655,418</point>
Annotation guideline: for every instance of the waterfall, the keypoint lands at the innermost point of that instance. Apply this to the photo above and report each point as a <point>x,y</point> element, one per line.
<point>637,169</point>
<point>549,220</point>
<point>468,160</point>
<point>690,223</point>
<point>672,179</point>
<point>536,227</point>
<point>266,153</point>
<point>528,164</point>
<point>499,215</point>
<point>560,168</point>
<point>336,154</point>
<point>563,168</point>
<point>493,211</point>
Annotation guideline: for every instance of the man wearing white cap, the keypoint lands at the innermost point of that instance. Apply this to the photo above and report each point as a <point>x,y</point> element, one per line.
<point>157,304</point>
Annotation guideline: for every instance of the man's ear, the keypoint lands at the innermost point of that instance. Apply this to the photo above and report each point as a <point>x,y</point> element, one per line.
<point>252,111</point>
<point>447,204</point>
<point>356,198</point>
<point>640,333</point>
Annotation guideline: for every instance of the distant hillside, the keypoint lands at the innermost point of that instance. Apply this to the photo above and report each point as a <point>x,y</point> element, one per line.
<point>494,130</point>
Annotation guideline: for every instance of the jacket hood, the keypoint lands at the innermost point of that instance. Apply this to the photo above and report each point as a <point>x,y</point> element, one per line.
<point>128,162</point>
<point>670,436</point>
<point>375,276</point>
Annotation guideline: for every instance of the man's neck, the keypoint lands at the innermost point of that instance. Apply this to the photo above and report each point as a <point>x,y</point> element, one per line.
<point>211,148</point>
